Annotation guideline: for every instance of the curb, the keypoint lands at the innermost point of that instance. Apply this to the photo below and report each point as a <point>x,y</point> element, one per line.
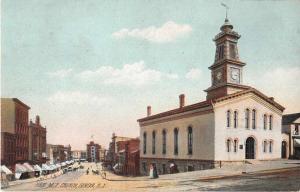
<point>246,173</point>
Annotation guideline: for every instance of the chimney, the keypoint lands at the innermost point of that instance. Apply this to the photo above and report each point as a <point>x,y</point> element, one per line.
<point>37,120</point>
<point>272,98</point>
<point>148,111</point>
<point>181,100</point>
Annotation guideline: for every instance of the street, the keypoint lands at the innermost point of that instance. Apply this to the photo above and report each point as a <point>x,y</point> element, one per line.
<point>278,180</point>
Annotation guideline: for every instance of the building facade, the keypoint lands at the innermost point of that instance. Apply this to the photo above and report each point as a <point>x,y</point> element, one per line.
<point>37,142</point>
<point>128,157</point>
<point>93,152</point>
<point>79,155</point>
<point>111,158</point>
<point>56,153</point>
<point>14,131</point>
<point>235,123</point>
<point>291,126</point>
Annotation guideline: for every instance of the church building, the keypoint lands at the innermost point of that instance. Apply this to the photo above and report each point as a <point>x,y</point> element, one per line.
<point>235,123</point>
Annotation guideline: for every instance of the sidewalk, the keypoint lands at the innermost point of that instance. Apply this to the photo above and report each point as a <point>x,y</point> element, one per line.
<point>234,170</point>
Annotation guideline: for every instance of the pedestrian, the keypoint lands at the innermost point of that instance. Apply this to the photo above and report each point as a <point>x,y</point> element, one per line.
<point>155,173</point>
<point>151,172</point>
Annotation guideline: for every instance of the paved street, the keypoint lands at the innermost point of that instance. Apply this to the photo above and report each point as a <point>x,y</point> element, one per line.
<point>275,180</point>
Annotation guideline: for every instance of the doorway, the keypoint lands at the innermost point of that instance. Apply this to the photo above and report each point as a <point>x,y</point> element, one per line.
<point>250,148</point>
<point>283,149</point>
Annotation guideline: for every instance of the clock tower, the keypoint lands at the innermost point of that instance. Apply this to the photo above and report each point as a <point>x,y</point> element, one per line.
<point>227,69</point>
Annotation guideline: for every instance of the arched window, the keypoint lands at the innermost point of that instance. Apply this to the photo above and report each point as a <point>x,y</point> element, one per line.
<point>145,143</point>
<point>235,119</point>
<point>175,141</point>
<point>270,122</point>
<point>153,141</point>
<point>253,119</point>
<point>271,146</point>
<point>265,146</point>
<point>265,121</point>
<point>190,140</point>
<point>228,145</point>
<point>164,141</point>
<point>247,117</point>
<point>228,118</point>
<point>235,145</point>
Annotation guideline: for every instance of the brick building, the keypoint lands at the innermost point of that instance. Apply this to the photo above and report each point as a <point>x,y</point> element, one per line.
<point>14,131</point>
<point>56,153</point>
<point>93,152</point>
<point>128,156</point>
<point>37,141</point>
<point>111,157</point>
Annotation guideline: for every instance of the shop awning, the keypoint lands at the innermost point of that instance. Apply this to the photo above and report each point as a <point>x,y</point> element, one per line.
<point>6,170</point>
<point>28,167</point>
<point>37,168</point>
<point>45,167</point>
<point>20,168</point>
<point>122,151</point>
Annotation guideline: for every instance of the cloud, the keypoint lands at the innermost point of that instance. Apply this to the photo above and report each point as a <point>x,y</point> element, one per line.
<point>193,74</point>
<point>168,32</point>
<point>282,84</point>
<point>135,74</point>
<point>76,97</point>
<point>60,73</point>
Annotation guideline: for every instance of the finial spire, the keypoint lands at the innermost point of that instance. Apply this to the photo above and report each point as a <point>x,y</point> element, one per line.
<point>226,7</point>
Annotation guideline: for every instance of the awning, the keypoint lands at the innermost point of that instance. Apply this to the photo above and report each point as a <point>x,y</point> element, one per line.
<point>37,168</point>
<point>63,164</point>
<point>122,151</point>
<point>18,175</point>
<point>58,165</point>
<point>28,167</point>
<point>46,167</point>
<point>20,168</point>
<point>296,142</point>
<point>6,170</point>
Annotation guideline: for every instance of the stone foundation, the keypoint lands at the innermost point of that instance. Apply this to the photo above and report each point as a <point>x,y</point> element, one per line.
<point>183,165</point>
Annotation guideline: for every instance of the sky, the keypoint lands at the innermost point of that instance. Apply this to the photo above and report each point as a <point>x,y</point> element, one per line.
<point>91,67</point>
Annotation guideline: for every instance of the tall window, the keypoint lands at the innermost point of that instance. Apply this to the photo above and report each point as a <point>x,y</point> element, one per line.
<point>232,51</point>
<point>221,52</point>
<point>270,122</point>
<point>253,119</point>
<point>235,146</point>
<point>153,141</point>
<point>271,147</point>
<point>265,146</point>
<point>164,141</point>
<point>228,145</point>
<point>235,119</point>
<point>228,118</point>
<point>265,121</point>
<point>247,116</point>
<point>175,141</point>
<point>145,143</point>
<point>190,140</point>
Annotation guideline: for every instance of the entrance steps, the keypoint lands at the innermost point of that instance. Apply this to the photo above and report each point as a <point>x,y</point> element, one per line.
<point>253,161</point>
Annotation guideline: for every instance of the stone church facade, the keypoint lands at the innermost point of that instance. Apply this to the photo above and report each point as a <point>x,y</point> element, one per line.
<point>234,123</point>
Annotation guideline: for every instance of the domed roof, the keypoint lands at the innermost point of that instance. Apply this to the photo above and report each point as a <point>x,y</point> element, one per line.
<point>226,26</point>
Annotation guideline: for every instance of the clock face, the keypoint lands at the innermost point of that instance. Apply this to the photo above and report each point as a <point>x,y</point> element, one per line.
<point>235,74</point>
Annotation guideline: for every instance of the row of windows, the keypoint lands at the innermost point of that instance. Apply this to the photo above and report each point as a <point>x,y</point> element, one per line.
<point>232,51</point>
<point>229,143</point>
<point>265,146</point>
<point>164,141</point>
<point>235,145</point>
<point>267,120</point>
